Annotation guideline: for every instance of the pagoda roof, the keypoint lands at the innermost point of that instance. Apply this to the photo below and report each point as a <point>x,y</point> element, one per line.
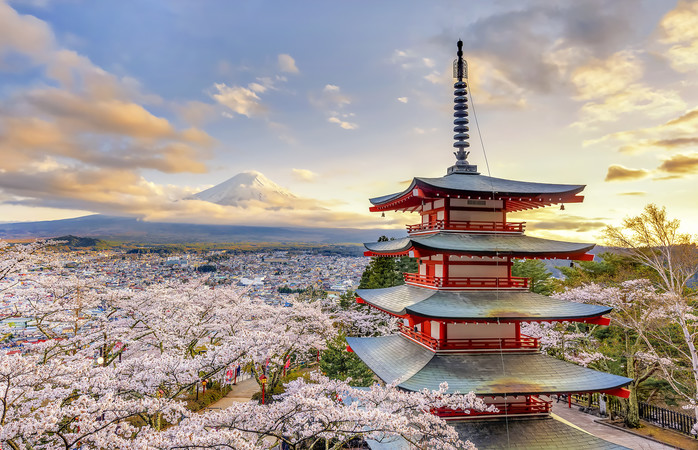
<point>517,245</point>
<point>397,358</point>
<point>533,433</point>
<point>476,305</point>
<point>520,195</point>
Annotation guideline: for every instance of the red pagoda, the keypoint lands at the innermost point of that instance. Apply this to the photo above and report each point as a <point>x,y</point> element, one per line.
<point>461,313</point>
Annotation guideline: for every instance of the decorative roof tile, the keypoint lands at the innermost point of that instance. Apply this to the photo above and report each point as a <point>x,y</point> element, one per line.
<point>545,433</point>
<point>481,244</point>
<point>396,357</point>
<point>475,184</point>
<point>477,305</point>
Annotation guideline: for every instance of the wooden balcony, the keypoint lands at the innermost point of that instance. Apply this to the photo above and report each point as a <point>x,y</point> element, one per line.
<point>469,225</point>
<point>416,279</point>
<point>532,405</point>
<point>522,343</point>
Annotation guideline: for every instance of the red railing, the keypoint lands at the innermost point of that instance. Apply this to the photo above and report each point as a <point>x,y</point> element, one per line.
<point>466,282</point>
<point>533,405</point>
<point>524,342</point>
<point>467,225</point>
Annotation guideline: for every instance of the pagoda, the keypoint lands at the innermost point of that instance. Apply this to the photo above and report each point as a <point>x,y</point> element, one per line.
<point>461,312</point>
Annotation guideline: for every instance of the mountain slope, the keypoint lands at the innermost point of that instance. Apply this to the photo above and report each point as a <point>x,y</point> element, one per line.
<point>245,186</point>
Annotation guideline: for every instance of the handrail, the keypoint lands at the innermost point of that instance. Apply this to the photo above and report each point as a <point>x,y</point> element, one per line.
<point>466,282</point>
<point>533,405</point>
<point>467,225</point>
<point>524,342</point>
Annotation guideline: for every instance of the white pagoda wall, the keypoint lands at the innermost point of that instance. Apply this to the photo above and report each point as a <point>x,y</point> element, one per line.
<point>480,330</point>
<point>478,271</point>
<point>485,216</point>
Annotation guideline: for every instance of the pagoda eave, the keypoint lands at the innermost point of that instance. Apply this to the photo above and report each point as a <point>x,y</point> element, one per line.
<point>417,251</point>
<point>484,306</point>
<point>396,357</point>
<point>517,195</point>
<point>475,244</point>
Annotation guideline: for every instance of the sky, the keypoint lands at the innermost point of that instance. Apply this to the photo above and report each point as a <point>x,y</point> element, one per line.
<point>128,108</point>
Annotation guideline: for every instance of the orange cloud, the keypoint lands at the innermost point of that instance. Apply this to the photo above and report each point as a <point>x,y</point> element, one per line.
<point>680,164</point>
<point>619,173</point>
<point>679,30</point>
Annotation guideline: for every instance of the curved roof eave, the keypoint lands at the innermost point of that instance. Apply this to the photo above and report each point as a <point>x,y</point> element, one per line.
<point>397,358</point>
<point>483,244</point>
<point>522,306</point>
<point>458,183</point>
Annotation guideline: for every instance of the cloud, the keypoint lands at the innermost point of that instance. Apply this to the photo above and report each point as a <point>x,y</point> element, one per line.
<point>674,133</point>
<point>435,77</point>
<point>544,220</point>
<point>679,30</point>
<point>402,99</point>
<point>637,98</point>
<point>287,64</point>
<point>601,78</point>
<point>241,100</point>
<point>123,192</point>
<point>636,193</point>
<point>577,224</point>
<point>79,137</point>
<point>522,51</point>
<point>332,97</point>
<point>342,123</point>
<point>196,112</point>
<point>333,102</point>
<point>619,173</point>
<point>680,164</point>
<point>612,89</point>
<point>24,34</point>
<point>304,175</point>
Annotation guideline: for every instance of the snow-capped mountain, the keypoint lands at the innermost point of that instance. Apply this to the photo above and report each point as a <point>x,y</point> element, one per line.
<point>246,186</point>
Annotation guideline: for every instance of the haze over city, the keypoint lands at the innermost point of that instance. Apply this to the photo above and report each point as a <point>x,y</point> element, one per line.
<point>130,108</point>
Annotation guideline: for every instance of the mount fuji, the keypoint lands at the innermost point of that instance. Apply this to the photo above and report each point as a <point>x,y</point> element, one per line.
<point>242,190</point>
<point>245,186</point>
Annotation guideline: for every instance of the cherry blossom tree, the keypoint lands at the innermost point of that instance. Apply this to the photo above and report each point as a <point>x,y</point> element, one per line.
<point>654,240</point>
<point>115,367</point>
<point>634,304</point>
<point>326,411</point>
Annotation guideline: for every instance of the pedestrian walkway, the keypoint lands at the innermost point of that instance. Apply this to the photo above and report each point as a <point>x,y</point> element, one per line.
<point>240,393</point>
<point>587,422</point>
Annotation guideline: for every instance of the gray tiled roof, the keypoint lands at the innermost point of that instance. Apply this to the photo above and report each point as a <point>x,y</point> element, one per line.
<point>481,184</point>
<point>544,433</point>
<point>521,305</point>
<point>396,357</point>
<point>483,244</point>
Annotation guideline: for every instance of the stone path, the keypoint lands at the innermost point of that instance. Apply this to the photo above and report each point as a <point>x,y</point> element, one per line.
<point>240,393</point>
<point>587,423</point>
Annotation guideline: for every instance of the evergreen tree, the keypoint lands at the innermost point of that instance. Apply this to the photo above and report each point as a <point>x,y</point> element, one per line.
<point>540,280</point>
<point>340,364</point>
<point>612,268</point>
<point>383,272</point>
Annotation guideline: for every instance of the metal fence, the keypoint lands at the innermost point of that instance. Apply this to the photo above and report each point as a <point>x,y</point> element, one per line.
<point>665,418</point>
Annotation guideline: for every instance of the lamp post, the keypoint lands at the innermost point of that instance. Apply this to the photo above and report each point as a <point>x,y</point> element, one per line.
<point>263,380</point>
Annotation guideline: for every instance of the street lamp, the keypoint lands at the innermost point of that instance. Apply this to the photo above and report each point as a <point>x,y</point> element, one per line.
<point>263,380</point>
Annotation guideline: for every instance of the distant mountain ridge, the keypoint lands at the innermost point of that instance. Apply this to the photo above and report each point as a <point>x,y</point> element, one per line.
<point>134,230</point>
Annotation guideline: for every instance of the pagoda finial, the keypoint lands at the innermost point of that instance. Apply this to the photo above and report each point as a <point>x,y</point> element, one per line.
<point>460,73</point>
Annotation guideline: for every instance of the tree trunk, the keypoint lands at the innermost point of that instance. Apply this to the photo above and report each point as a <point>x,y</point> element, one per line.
<point>632,418</point>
